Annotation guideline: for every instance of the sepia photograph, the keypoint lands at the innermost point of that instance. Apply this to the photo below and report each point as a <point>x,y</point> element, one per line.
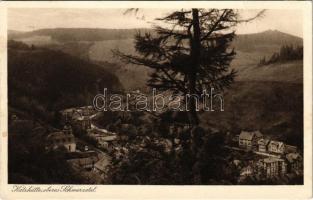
<point>177,96</point>
<point>113,96</point>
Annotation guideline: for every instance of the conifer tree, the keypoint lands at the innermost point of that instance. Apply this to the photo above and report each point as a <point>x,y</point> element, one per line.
<point>189,54</point>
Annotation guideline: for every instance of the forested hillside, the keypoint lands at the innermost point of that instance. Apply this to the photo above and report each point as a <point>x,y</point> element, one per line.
<point>44,81</point>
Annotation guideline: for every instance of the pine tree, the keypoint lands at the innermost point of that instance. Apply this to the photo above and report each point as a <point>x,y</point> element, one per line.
<point>191,54</point>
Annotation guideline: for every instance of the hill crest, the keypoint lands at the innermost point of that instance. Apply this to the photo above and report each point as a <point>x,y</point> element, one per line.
<point>98,34</point>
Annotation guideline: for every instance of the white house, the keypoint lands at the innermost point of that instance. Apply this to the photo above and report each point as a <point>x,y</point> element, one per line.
<point>276,147</point>
<point>248,140</point>
<point>263,145</point>
<point>61,138</point>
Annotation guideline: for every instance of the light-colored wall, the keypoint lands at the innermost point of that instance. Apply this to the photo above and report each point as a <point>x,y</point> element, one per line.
<point>71,147</point>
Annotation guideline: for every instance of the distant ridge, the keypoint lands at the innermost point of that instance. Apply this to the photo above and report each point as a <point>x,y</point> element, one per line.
<point>271,32</point>
<point>78,34</point>
<point>100,34</point>
<point>247,42</point>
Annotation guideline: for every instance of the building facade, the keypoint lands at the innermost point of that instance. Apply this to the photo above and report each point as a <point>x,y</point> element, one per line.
<point>263,145</point>
<point>63,138</point>
<point>276,147</point>
<point>249,140</point>
<point>272,167</point>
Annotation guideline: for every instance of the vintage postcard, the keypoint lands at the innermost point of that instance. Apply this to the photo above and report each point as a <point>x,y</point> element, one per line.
<point>156,100</point>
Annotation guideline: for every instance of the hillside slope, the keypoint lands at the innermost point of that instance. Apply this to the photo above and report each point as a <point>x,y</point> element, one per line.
<point>265,40</point>
<point>275,108</point>
<point>251,48</point>
<point>41,79</point>
<point>278,72</point>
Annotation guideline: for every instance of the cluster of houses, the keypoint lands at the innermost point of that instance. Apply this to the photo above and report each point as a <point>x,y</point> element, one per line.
<point>79,155</point>
<point>255,141</point>
<point>78,117</point>
<point>105,139</point>
<point>273,158</point>
<point>278,159</point>
<point>81,117</point>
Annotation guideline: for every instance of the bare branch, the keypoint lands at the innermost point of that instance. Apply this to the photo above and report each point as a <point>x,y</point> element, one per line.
<point>258,15</point>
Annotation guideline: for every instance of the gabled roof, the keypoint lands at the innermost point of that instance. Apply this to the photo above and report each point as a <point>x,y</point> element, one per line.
<point>258,133</point>
<point>276,143</point>
<point>245,135</point>
<point>102,163</point>
<point>263,141</point>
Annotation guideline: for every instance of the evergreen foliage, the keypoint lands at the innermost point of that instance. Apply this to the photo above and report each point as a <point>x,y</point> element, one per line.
<point>286,53</point>
<point>192,55</point>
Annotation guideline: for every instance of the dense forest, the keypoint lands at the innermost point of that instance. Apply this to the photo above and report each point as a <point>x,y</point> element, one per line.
<point>286,53</point>
<point>42,81</point>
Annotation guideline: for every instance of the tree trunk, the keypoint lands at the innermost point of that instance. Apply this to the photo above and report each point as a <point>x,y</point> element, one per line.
<point>192,76</point>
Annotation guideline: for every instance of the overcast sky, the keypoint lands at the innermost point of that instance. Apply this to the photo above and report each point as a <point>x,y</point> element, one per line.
<point>289,21</point>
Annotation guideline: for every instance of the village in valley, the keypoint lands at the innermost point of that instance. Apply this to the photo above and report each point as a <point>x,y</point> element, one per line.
<point>92,149</point>
<point>273,159</point>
